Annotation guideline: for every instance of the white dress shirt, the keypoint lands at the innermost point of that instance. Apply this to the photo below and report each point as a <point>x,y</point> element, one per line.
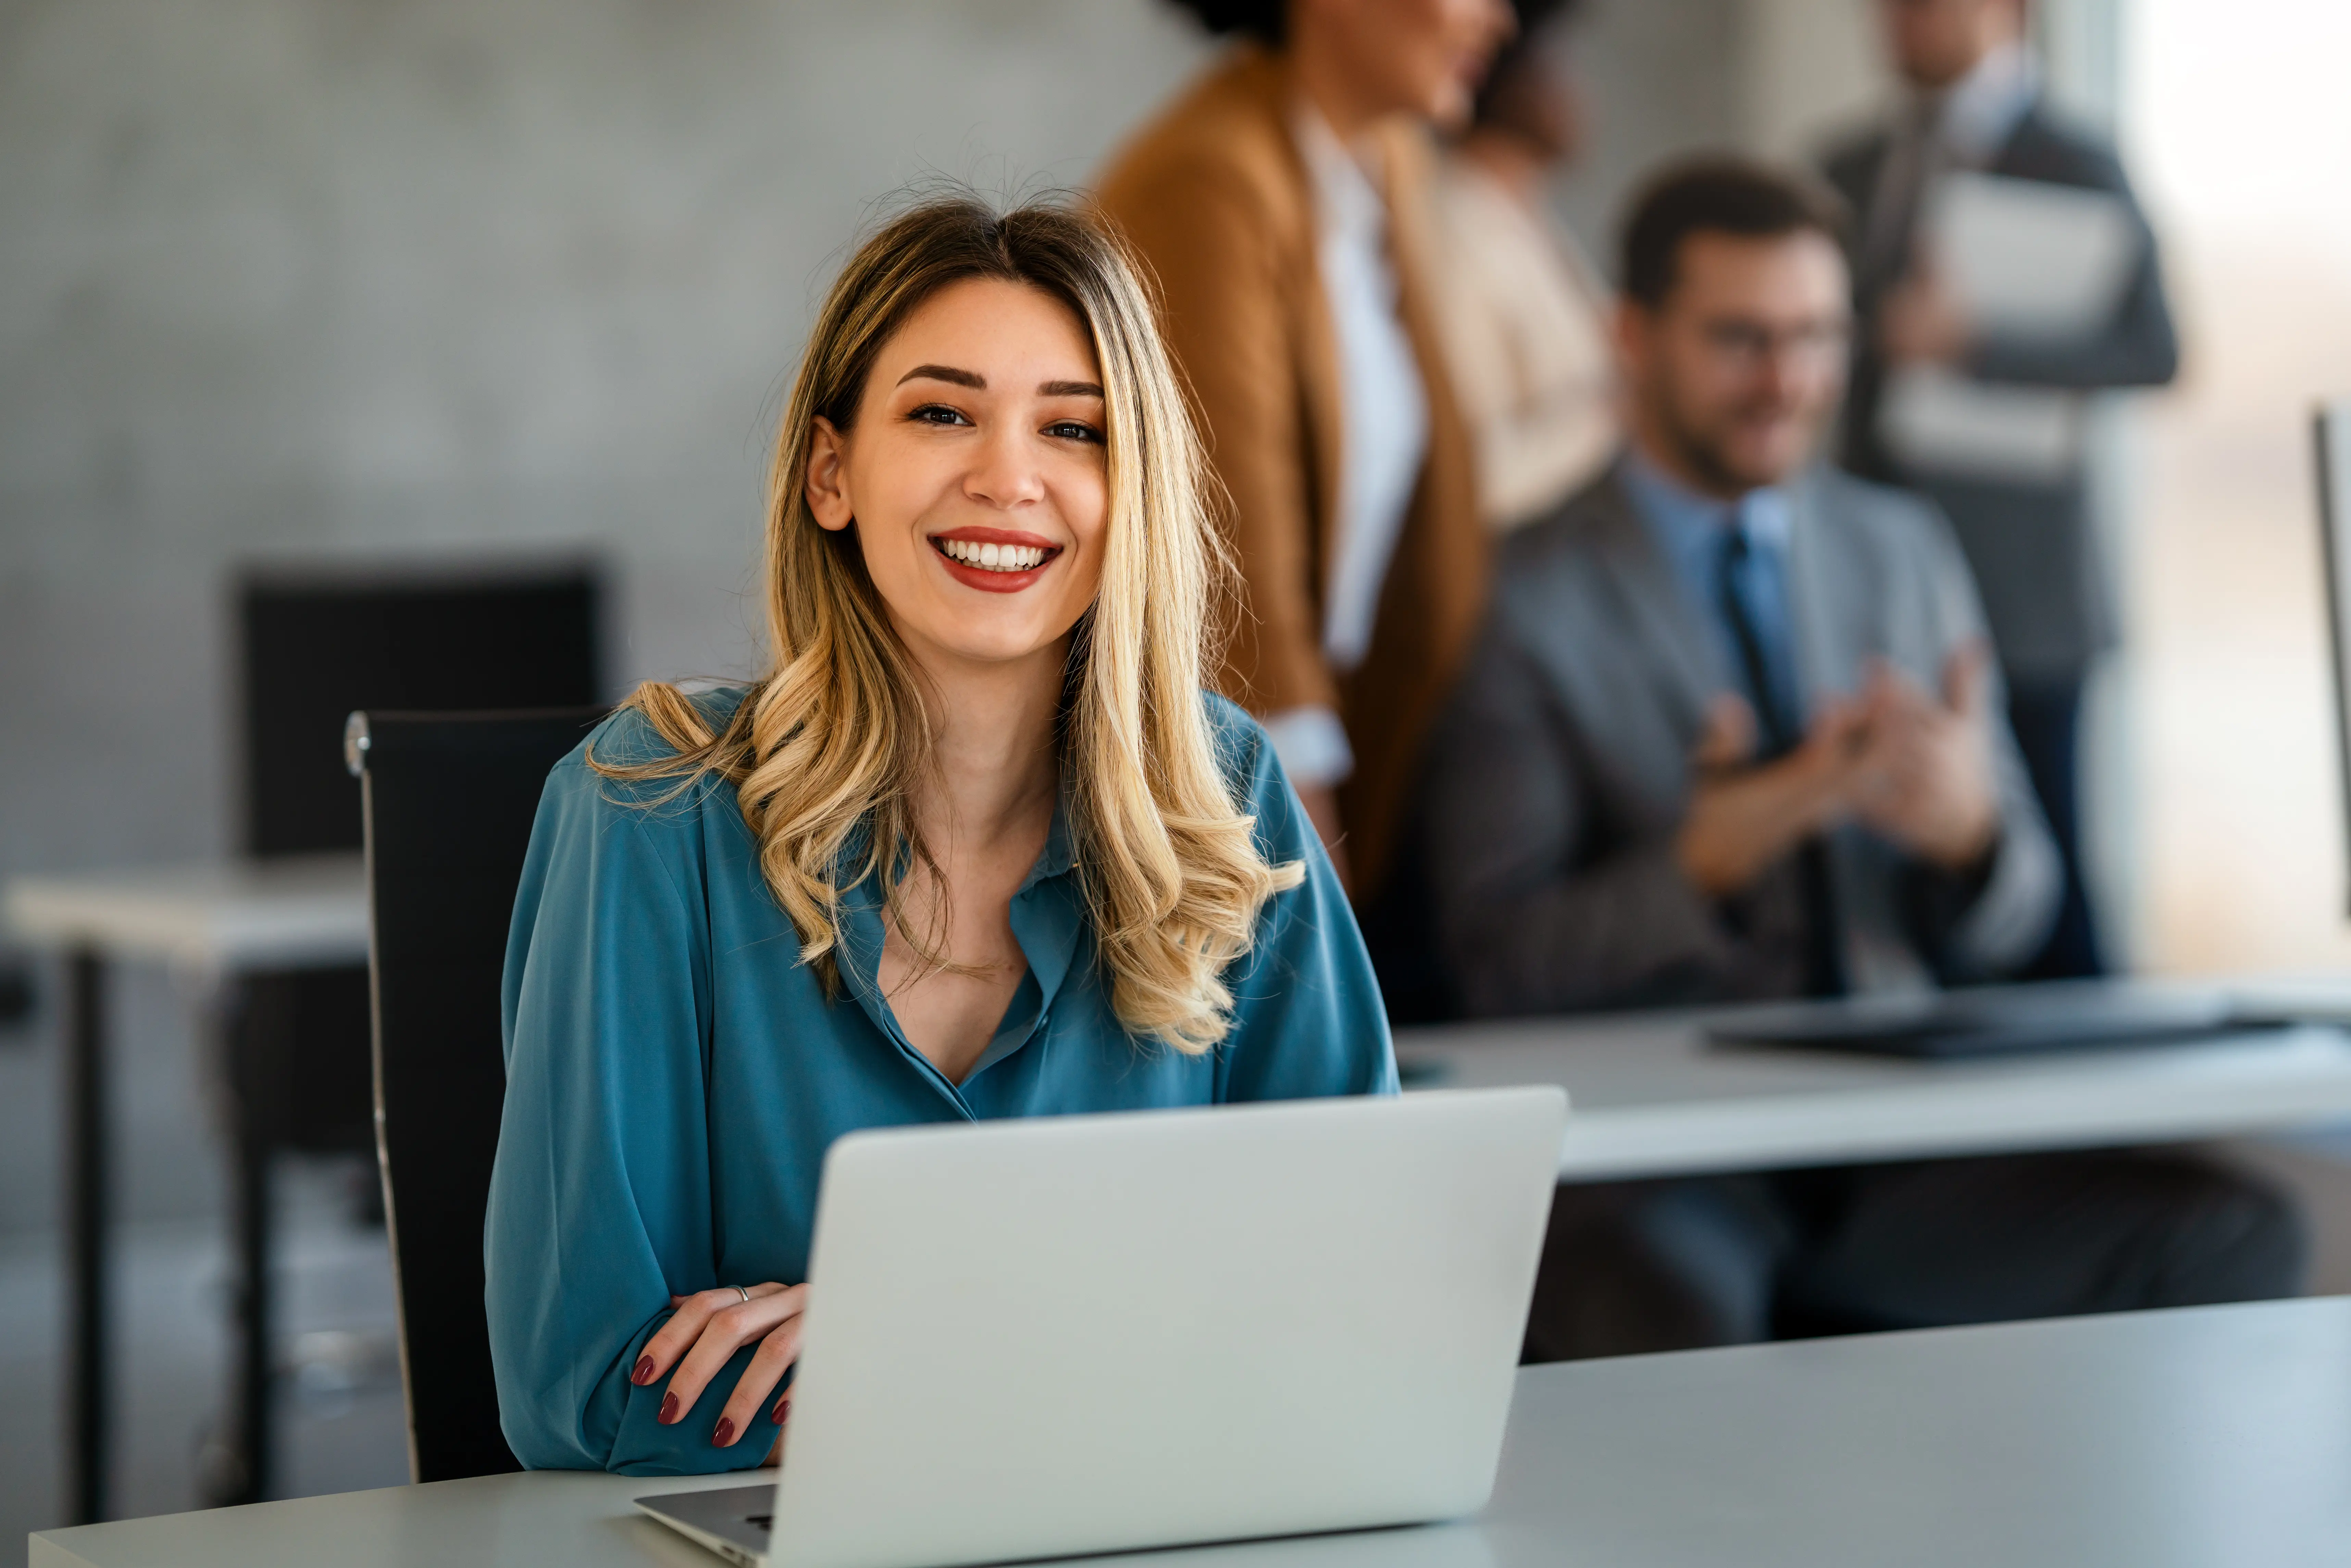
<point>1383,434</point>
<point>1980,110</point>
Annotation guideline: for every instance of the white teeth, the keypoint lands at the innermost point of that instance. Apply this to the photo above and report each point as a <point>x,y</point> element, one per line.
<point>993,557</point>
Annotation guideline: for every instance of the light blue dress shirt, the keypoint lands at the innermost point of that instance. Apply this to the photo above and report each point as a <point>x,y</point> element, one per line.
<point>675,1074</point>
<point>1689,529</point>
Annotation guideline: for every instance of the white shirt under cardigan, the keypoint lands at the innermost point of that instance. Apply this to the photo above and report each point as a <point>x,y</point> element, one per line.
<point>1383,434</point>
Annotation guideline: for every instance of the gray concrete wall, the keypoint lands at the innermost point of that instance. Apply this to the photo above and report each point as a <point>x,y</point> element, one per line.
<point>283,278</point>
<point>1809,68</point>
<point>401,278</point>
<point>1661,77</point>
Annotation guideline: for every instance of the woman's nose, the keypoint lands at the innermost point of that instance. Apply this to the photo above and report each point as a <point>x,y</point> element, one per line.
<point>1005,473</point>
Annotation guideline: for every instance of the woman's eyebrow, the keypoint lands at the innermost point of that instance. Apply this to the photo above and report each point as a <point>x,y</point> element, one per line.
<point>978,382</point>
<point>972,379</point>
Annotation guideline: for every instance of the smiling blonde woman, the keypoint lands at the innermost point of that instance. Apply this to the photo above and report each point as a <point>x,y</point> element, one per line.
<point>975,845</point>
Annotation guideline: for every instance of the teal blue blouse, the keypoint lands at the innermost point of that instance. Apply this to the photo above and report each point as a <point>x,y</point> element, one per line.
<point>675,1074</point>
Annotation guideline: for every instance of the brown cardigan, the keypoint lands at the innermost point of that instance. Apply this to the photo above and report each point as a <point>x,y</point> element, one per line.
<point>1216,196</point>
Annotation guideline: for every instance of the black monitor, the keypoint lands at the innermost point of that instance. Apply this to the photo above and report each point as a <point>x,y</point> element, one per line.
<point>2331,428</point>
<point>317,643</point>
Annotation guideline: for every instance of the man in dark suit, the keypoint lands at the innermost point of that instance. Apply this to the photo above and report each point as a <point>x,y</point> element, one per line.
<point>1975,103</point>
<point>1731,732</point>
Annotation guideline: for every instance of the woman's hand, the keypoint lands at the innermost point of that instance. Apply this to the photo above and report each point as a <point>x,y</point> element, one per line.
<point>710,1326</point>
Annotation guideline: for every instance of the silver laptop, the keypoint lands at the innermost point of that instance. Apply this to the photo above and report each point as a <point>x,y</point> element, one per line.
<point>1087,1334</point>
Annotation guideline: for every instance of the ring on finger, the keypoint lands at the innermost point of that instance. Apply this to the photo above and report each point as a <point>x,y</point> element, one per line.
<point>745,1293</point>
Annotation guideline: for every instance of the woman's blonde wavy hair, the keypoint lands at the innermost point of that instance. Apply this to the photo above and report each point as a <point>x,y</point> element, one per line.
<point>837,736</point>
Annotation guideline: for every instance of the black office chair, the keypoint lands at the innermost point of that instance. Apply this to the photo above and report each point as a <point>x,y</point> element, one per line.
<point>315,644</point>
<point>449,800</point>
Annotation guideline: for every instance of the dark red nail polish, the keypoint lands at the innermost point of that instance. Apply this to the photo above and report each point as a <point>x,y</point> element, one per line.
<point>782,1407</point>
<point>644,1372</point>
<point>668,1410</point>
<point>725,1432</point>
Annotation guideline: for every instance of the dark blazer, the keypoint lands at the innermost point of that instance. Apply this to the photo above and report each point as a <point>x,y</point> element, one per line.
<point>2036,560</point>
<point>1559,774</point>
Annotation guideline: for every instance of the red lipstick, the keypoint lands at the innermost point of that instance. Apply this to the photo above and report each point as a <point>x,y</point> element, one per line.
<point>978,545</point>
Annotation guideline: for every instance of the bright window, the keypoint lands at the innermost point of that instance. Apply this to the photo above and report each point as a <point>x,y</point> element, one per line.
<point>2238,132</point>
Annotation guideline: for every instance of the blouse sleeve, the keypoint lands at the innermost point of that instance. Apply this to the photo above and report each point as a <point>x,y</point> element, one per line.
<point>599,1203</point>
<point>1307,1015</point>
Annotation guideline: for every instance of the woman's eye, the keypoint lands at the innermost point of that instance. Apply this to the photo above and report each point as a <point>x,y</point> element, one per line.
<point>937,414</point>
<point>1073,430</point>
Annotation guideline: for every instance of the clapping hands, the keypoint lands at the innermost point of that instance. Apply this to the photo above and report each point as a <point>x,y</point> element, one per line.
<point>1923,778</point>
<point>1913,766</point>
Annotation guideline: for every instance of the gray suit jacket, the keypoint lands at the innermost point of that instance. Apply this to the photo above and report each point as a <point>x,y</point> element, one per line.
<point>2034,551</point>
<point>1560,774</point>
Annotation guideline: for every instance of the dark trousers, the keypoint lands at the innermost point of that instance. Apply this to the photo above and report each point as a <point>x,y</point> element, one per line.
<point>2047,718</point>
<point>1633,1267</point>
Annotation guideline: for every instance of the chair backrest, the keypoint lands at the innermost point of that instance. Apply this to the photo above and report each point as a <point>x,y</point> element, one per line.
<point>315,644</point>
<point>448,800</point>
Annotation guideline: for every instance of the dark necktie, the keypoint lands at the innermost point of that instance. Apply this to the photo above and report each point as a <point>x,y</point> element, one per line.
<point>1779,732</point>
<point>1777,729</point>
<point>1913,158</point>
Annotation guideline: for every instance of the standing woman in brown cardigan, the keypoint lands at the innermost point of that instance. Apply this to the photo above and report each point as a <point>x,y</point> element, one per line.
<point>1281,202</point>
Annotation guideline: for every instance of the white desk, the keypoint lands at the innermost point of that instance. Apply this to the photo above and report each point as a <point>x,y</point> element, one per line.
<point>1652,1097</point>
<point>2217,1435</point>
<point>212,923</point>
<point>206,920</point>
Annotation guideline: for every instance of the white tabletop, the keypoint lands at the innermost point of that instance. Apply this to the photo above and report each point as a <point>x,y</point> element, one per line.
<point>297,912</point>
<point>1652,1096</point>
<point>2217,1435</point>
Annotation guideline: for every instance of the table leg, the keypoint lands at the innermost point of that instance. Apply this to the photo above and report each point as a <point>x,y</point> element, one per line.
<point>236,1463</point>
<point>255,1326</point>
<point>86,1249</point>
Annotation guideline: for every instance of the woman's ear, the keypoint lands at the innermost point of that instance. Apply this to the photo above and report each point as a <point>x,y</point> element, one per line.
<point>828,477</point>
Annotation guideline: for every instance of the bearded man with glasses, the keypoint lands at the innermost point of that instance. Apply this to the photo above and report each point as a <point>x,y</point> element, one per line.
<point>1734,731</point>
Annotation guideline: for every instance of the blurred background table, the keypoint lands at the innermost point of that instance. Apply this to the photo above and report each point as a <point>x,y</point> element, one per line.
<point>276,939</point>
<point>1652,1096</point>
<point>214,925</point>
